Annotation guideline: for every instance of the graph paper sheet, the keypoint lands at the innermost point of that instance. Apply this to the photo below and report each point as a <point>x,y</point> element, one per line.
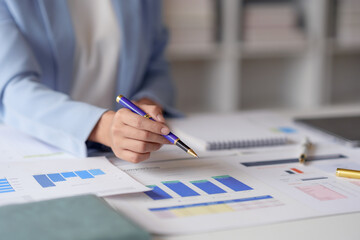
<point>216,193</point>
<point>39,180</point>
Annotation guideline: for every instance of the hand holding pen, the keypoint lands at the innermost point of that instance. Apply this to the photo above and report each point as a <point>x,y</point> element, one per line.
<point>169,136</point>
<point>131,136</point>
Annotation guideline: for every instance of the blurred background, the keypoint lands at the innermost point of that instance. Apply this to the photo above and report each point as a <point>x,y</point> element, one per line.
<point>228,55</point>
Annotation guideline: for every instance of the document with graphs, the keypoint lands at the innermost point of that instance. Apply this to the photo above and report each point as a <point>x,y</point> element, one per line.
<point>42,179</point>
<point>216,193</point>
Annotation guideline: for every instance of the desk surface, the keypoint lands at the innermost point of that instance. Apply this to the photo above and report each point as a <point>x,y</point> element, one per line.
<point>344,226</point>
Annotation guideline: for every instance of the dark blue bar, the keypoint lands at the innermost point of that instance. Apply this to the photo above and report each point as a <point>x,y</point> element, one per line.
<point>232,183</point>
<point>84,174</point>
<point>293,160</point>
<point>44,181</point>
<point>56,177</point>
<point>208,187</point>
<point>180,188</point>
<point>96,172</point>
<point>157,193</point>
<point>68,174</point>
<point>290,172</point>
<point>213,203</point>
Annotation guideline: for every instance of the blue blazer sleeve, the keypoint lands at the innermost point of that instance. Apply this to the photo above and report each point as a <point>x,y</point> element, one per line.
<point>32,107</point>
<point>157,83</point>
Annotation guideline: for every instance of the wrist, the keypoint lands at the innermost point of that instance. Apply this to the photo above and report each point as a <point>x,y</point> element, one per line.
<point>101,131</point>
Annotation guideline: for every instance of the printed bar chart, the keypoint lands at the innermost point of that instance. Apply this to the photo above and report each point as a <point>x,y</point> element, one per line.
<point>180,188</point>
<point>5,186</point>
<point>49,180</point>
<point>232,183</point>
<point>208,187</point>
<point>157,193</point>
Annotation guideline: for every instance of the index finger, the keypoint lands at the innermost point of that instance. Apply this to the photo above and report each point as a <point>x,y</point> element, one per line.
<point>140,122</point>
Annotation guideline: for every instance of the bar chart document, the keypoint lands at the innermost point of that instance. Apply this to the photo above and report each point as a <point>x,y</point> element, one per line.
<point>215,193</point>
<point>39,180</point>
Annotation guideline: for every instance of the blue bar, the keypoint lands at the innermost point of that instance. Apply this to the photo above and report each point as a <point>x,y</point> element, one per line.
<point>3,180</point>
<point>5,191</point>
<point>208,187</point>
<point>293,160</point>
<point>56,177</point>
<point>4,184</point>
<point>6,188</point>
<point>96,172</point>
<point>84,174</point>
<point>44,181</point>
<point>213,203</point>
<point>157,193</point>
<point>232,183</point>
<point>180,188</point>
<point>289,172</point>
<point>68,174</point>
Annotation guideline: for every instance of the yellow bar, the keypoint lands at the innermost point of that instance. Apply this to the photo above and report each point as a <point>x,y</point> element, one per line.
<point>348,173</point>
<point>201,210</point>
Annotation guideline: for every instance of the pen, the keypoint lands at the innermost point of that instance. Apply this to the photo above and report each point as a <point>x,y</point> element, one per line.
<point>304,148</point>
<point>171,137</point>
<point>348,173</point>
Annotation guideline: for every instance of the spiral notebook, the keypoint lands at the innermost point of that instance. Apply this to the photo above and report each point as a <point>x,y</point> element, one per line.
<point>222,132</point>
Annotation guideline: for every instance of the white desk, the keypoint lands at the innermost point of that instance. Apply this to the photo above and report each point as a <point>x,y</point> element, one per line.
<point>345,226</point>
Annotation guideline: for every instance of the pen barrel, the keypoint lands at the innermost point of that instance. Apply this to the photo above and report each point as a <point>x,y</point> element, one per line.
<point>348,173</point>
<point>128,104</point>
<point>172,138</point>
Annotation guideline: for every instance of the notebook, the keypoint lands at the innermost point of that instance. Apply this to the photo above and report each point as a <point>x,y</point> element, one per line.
<point>343,129</point>
<point>225,131</point>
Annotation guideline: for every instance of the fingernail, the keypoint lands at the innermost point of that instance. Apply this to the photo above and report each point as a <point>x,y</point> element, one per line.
<point>165,131</point>
<point>160,118</point>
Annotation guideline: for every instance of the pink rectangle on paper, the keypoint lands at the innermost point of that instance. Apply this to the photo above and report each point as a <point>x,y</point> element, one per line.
<point>321,192</point>
<point>356,183</point>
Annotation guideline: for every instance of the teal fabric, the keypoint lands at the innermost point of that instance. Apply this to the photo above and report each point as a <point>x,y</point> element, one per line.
<point>81,218</point>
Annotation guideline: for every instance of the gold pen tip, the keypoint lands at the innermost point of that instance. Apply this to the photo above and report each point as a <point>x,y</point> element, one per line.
<point>192,153</point>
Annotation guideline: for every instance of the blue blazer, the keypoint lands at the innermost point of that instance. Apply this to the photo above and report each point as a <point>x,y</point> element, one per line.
<point>36,67</point>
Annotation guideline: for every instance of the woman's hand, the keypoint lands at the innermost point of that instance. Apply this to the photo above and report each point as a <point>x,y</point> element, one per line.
<point>131,136</point>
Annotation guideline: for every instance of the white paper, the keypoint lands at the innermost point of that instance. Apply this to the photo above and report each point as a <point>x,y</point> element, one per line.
<point>39,180</point>
<point>15,146</point>
<point>282,197</point>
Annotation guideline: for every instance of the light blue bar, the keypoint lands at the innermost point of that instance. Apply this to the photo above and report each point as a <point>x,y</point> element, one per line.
<point>68,174</point>
<point>4,184</point>
<point>6,188</point>
<point>84,174</point>
<point>96,172</point>
<point>5,191</point>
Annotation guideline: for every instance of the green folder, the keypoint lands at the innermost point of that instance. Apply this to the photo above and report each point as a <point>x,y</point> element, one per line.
<point>82,218</point>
